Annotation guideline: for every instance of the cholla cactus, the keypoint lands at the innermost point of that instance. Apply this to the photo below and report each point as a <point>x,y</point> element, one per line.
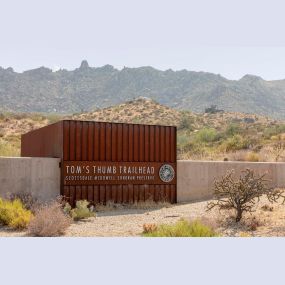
<point>242,194</point>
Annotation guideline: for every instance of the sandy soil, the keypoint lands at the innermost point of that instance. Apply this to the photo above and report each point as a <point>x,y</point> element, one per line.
<point>129,222</point>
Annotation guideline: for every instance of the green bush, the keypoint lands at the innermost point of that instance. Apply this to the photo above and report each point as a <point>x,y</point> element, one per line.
<point>273,131</point>
<point>67,208</point>
<point>233,129</point>
<point>81,211</point>
<point>236,142</point>
<point>186,123</point>
<point>182,229</point>
<point>13,214</point>
<point>182,139</point>
<point>206,135</point>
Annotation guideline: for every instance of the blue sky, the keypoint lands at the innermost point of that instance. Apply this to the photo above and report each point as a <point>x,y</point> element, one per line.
<point>232,38</point>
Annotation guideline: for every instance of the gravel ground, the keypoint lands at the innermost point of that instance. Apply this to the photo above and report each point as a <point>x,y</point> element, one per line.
<point>129,222</point>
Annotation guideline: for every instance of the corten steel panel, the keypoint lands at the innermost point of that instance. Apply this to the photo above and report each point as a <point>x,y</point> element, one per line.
<point>107,142</point>
<point>44,142</point>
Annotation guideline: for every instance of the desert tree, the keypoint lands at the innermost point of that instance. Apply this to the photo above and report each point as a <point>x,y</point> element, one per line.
<point>277,150</point>
<point>242,194</point>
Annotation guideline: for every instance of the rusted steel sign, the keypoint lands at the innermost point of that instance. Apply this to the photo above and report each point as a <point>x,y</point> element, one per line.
<point>91,173</point>
<point>101,162</point>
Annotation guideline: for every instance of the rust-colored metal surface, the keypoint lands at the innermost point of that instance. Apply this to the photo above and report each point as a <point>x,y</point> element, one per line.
<point>83,143</point>
<point>43,142</point>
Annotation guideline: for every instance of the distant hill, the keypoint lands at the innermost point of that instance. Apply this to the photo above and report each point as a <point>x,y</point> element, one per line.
<point>138,111</point>
<point>87,88</point>
<point>146,111</point>
<point>199,136</point>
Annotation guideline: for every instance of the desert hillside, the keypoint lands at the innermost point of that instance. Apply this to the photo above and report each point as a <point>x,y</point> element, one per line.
<point>137,111</point>
<point>13,125</point>
<point>215,135</point>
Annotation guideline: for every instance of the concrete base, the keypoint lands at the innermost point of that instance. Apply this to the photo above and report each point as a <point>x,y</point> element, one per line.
<point>38,176</point>
<point>196,178</point>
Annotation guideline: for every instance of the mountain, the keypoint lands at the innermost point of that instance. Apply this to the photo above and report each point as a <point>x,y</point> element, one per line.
<point>87,88</point>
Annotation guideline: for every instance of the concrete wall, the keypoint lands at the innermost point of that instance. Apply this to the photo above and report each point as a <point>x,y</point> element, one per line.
<point>195,178</point>
<point>41,176</point>
<point>38,176</point>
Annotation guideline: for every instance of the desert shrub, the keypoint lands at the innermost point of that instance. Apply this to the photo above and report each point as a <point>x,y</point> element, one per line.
<point>7,149</point>
<point>185,122</point>
<point>206,135</point>
<point>277,150</point>
<point>252,156</point>
<point>182,139</point>
<point>237,142</point>
<point>149,228</point>
<point>240,155</point>
<point>242,194</point>
<point>265,154</point>
<point>81,211</point>
<point>194,151</point>
<point>49,221</point>
<point>28,201</point>
<point>273,131</point>
<point>233,129</point>
<point>13,214</point>
<point>67,208</point>
<point>182,228</point>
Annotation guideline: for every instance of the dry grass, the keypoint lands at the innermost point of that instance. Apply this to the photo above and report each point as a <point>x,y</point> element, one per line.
<point>49,221</point>
<point>181,228</point>
<point>148,228</point>
<point>265,155</point>
<point>143,205</point>
<point>13,125</point>
<point>8,149</point>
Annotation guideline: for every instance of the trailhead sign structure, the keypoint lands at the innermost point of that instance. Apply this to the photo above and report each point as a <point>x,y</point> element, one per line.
<point>100,162</point>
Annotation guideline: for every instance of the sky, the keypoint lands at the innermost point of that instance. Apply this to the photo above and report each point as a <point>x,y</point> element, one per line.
<point>227,37</point>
